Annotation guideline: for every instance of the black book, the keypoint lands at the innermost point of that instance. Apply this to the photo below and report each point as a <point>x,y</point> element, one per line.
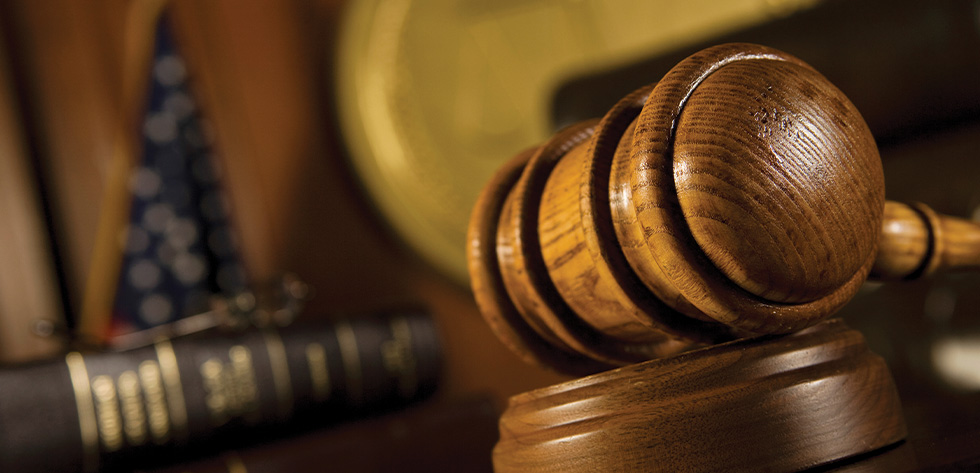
<point>189,396</point>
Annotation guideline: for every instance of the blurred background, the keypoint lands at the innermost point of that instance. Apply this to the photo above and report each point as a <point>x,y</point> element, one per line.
<point>353,137</point>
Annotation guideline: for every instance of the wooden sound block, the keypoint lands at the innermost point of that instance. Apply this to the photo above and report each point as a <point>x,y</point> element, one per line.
<point>773,403</point>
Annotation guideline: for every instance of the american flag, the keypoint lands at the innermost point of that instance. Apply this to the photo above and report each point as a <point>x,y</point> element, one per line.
<point>178,247</point>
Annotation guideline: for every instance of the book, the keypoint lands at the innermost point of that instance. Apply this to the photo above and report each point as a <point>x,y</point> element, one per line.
<point>193,395</point>
<point>437,435</point>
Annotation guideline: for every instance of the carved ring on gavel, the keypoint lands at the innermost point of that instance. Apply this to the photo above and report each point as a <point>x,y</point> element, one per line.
<point>741,195</point>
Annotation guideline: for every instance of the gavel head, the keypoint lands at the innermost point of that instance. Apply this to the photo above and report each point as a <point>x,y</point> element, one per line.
<point>741,195</point>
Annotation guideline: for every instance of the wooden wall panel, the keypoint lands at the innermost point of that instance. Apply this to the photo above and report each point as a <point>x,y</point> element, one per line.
<point>66,59</point>
<point>28,283</point>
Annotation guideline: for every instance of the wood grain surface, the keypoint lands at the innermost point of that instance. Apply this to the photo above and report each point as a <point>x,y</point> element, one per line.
<point>592,276</point>
<point>672,243</point>
<point>767,404</point>
<point>524,271</point>
<point>490,293</point>
<point>918,242</point>
<point>742,194</point>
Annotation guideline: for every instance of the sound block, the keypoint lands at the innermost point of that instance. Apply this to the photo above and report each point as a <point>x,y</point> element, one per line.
<point>774,403</point>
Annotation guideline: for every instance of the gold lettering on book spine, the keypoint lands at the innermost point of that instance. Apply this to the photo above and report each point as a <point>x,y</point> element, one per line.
<point>280,372</point>
<point>216,397</point>
<point>316,359</point>
<point>173,388</point>
<point>86,411</point>
<point>230,388</point>
<point>133,413</point>
<point>107,412</point>
<point>244,388</point>
<point>351,359</point>
<point>398,358</point>
<point>156,403</point>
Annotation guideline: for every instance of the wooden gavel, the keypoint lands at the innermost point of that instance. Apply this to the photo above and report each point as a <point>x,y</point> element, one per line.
<point>741,195</point>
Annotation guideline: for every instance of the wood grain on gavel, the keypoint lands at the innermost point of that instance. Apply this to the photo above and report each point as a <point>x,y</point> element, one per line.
<point>762,404</point>
<point>741,195</point>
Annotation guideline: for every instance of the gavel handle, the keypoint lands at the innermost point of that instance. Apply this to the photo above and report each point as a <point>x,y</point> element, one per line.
<point>916,242</point>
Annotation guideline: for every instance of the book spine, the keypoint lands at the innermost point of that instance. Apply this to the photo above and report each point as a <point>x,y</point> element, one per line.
<point>183,397</point>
